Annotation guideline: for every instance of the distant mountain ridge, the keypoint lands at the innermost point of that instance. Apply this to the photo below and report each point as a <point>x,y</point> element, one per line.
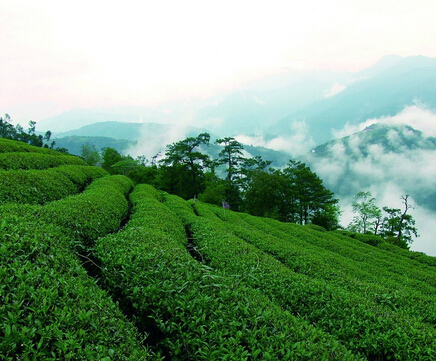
<point>393,86</point>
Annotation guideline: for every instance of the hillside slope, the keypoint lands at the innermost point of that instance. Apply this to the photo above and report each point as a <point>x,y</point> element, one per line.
<point>113,271</point>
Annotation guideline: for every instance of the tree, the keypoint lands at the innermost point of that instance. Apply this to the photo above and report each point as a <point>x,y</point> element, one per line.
<point>182,170</point>
<point>311,201</point>
<point>399,226</point>
<point>90,154</point>
<point>295,194</point>
<point>7,130</point>
<point>367,213</point>
<point>231,155</point>
<point>268,195</point>
<point>110,156</point>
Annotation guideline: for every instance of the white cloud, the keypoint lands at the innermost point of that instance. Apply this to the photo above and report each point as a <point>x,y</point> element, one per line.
<point>299,143</point>
<point>349,129</point>
<point>387,174</point>
<point>335,89</point>
<point>152,143</point>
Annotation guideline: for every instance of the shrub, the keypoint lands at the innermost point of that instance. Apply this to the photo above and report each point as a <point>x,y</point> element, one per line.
<point>49,308</point>
<point>100,209</point>
<point>17,160</point>
<point>195,311</point>
<point>8,146</point>
<point>34,187</point>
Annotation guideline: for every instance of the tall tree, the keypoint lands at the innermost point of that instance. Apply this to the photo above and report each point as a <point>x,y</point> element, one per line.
<point>367,213</point>
<point>312,201</point>
<point>398,225</point>
<point>7,130</point>
<point>231,155</point>
<point>184,164</point>
<point>89,154</point>
<point>295,194</point>
<point>110,156</point>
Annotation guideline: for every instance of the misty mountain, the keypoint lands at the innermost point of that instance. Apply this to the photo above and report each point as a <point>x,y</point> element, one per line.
<point>382,158</point>
<point>395,139</point>
<point>74,143</point>
<point>253,108</point>
<point>383,90</point>
<point>389,161</point>
<point>148,139</point>
<point>79,117</point>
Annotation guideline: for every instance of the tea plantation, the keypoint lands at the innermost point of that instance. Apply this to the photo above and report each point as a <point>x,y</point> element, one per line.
<point>93,267</point>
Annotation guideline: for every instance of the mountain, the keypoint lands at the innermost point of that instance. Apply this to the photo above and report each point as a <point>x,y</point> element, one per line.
<point>74,143</point>
<point>389,161</point>
<point>253,108</point>
<point>147,139</point>
<point>386,89</point>
<point>79,117</point>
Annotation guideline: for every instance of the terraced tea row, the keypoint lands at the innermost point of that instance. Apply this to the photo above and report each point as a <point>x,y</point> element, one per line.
<point>363,326</point>
<point>413,292</point>
<point>192,311</point>
<point>42,186</point>
<point>49,307</point>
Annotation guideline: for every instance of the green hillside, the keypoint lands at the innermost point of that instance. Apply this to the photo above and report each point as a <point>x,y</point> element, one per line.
<point>105,270</point>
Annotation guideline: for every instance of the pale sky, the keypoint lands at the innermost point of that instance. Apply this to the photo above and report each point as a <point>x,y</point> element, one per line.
<point>55,56</point>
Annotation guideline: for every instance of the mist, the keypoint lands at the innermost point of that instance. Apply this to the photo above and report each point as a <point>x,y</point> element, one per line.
<point>298,143</point>
<point>388,170</point>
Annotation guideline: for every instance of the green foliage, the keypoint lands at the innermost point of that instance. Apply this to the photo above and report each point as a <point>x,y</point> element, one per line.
<point>316,276</point>
<point>100,209</point>
<point>33,186</point>
<point>8,146</point>
<point>215,189</point>
<point>196,281</point>
<point>49,308</point>
<point>183,166</point>
<point>110,156</point>
<point>143,174</point>
<point>42,186</point>
<point>81,175</point>
<point>197,312</point>
<point>33,160</point>
<point>368,214</point>
<point>231,155</point>
<point>7,130</point>
<point>370,239</point>
<point>397,227</point>
<point>89,154</point>
<point>295,194</point>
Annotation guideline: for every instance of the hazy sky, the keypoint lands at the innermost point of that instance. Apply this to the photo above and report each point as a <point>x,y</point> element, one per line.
<point>55,56</point>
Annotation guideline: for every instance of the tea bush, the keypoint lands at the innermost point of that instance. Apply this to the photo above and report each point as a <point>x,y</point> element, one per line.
<point>8,146</point>
<point>192,311</point>
<point>34,160</point>
<point>100,209</point>
<point>362,325</point>
<point>49,308</point>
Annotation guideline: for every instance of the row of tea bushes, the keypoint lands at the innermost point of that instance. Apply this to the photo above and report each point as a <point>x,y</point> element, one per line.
<point>18,160</point>
<point>363,326</point>
<point>417,256</point>
<point>42,186</point>
<point>8,146</point>
<point>49,308</point>
<point>372,260</point>
<point>366,278</point>
<point>192,311</point>
<point>100,209</point>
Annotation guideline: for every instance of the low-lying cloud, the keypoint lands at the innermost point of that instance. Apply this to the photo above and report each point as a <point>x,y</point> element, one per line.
<point>152,143</point>
<point>298,143</point>
<point>388,169</point>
